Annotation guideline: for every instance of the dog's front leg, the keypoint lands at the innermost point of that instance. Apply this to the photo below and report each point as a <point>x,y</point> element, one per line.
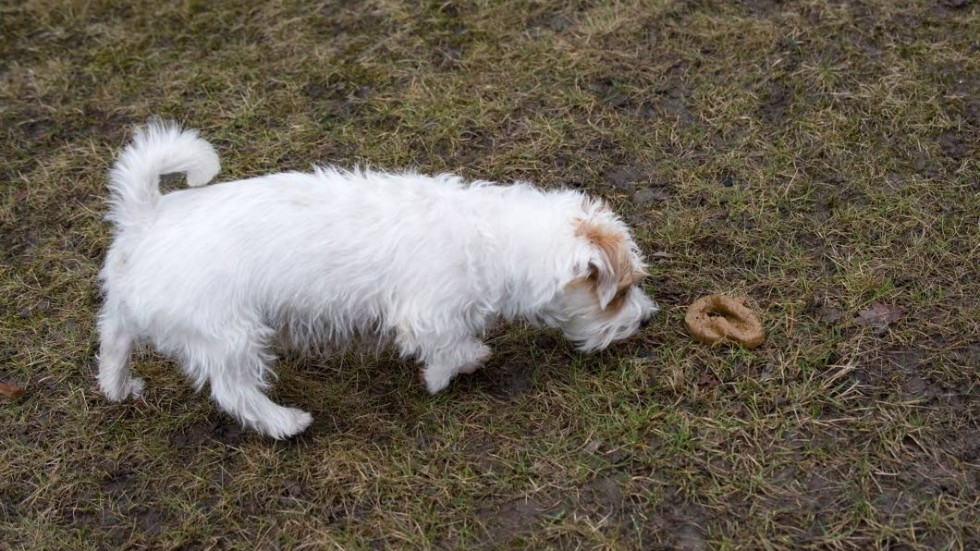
<point>443,362</point>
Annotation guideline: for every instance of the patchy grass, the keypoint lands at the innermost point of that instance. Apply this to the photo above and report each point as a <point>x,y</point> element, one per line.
<point>818,157</point>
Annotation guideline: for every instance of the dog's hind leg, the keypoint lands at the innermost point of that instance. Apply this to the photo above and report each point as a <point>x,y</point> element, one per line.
<point>238,387</point>
<point>115,345</point>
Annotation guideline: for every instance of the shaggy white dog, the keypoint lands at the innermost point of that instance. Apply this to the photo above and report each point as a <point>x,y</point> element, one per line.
<point>216,276</point>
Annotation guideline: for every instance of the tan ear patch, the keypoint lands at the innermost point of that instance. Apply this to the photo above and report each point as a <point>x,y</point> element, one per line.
<point>590,284</point>
<point>618,300</point>
<point>614,248</point>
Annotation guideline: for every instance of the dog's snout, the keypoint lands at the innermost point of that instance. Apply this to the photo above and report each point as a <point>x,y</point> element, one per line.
<point>645,322</point>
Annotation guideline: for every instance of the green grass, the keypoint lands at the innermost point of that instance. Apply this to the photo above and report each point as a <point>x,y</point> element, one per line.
<point>848,130</point>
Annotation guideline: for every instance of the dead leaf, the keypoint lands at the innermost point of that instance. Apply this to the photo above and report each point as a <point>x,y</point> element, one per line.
<point>879,316</point>
<point>9,390</point>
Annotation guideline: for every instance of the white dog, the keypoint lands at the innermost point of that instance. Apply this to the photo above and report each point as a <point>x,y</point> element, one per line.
<point>216,276</point>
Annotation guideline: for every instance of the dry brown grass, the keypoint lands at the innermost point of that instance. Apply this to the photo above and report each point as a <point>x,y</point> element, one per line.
<point>817,157</point>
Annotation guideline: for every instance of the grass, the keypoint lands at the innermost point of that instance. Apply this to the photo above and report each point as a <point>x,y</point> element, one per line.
<point>817,157</point>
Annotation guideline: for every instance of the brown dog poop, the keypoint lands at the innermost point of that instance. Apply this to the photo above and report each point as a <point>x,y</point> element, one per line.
<point>717,318</point>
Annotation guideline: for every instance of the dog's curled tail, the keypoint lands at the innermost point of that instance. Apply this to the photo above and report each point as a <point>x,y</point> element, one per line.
<point>157,148</point>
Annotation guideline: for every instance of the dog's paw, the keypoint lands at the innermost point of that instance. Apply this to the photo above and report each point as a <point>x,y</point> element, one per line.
<point>289,423</point>
<point>435,380</point>
<point>129,388</point>
<point>482,356</point>
<point>135,387</point>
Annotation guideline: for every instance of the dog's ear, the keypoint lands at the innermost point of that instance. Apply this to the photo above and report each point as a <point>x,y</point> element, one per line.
<point>610,265</point>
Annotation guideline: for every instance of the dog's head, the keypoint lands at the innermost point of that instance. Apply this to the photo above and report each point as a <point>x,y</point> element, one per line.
<point>603,301</point>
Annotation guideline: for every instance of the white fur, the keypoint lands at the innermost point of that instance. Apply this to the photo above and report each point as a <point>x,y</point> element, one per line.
<point>215,276</point>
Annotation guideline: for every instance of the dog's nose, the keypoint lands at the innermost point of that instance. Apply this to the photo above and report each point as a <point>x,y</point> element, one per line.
<point>645,322</point>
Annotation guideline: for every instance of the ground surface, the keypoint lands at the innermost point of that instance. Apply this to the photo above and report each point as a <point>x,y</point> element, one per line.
<point>820,158</point>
